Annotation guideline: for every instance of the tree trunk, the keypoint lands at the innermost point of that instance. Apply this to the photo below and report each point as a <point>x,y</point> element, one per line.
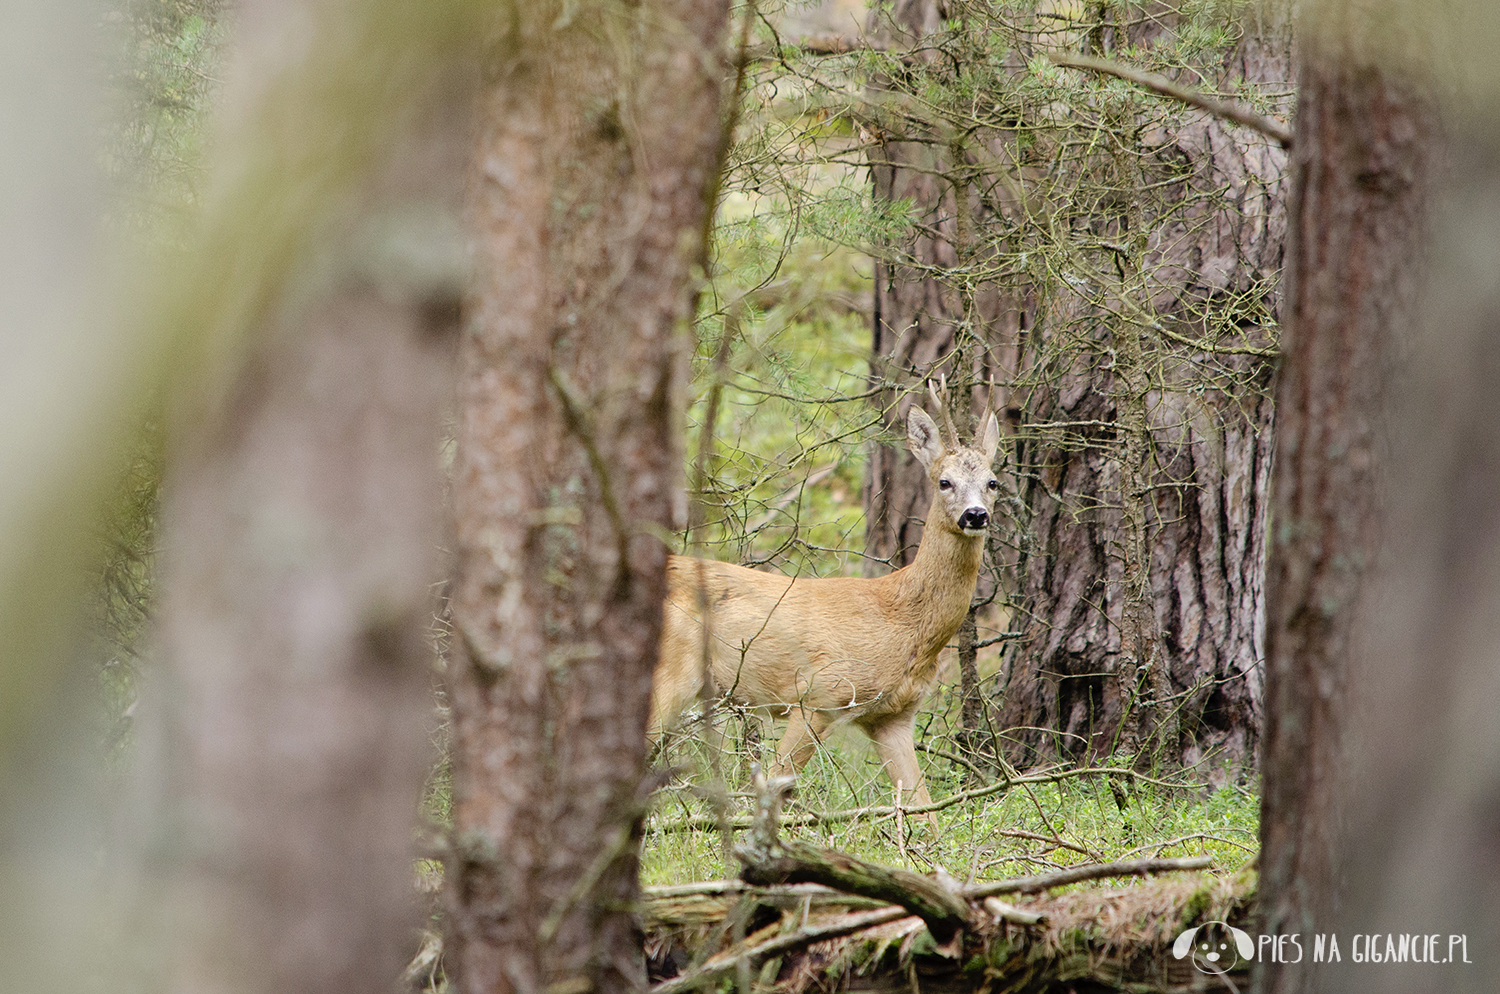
<point>286,740</point>
<point>1357,222</point>
<point>591,189</point>
<point>1422,828</point>
<point>931,319</point>
<point>1144,464</point>
<point>1131,361</point>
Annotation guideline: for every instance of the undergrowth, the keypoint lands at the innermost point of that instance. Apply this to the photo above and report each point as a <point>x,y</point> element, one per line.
<point>1003,824</point>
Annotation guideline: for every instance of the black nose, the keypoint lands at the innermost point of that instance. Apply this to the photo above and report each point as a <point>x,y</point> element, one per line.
<point>974,518</point>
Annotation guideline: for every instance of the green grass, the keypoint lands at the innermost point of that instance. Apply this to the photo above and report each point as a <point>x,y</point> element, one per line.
<point>1027,827</point>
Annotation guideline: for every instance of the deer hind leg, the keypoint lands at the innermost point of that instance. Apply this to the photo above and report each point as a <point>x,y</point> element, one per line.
<point>896,745</point>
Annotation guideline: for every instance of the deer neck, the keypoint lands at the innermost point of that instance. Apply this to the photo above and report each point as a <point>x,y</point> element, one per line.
<point>938,585</point>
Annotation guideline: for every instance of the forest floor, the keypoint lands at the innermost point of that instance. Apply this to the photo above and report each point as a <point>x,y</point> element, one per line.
<point>992,826</point>
<point>802,938</point>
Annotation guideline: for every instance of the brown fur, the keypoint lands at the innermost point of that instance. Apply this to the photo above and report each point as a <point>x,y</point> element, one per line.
<point>824,651</point>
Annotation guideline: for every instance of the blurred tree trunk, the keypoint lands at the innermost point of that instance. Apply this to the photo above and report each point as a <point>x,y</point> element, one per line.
<point>1423,825</point>
<point>591,188</point>
<point>1357,225</point>
<point>1145,463</point>
<point>302,510</point>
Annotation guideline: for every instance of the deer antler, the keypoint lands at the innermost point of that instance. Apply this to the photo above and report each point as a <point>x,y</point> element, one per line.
<point>938,393</point>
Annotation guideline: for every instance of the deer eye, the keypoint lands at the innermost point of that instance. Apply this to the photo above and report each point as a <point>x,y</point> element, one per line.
<point>945,484</point>
<point>994,484</point>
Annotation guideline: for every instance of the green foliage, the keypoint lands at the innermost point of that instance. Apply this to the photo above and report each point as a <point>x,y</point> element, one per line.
<point>166,80</point>
<point>166,66</point>
<point>781,476</point>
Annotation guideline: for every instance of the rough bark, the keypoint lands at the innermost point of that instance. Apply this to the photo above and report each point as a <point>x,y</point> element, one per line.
<point>1186,459</point>
<point>1356,223</point>
<point>1133,559</point>
<point>286,739</point>
<point>590,191</point>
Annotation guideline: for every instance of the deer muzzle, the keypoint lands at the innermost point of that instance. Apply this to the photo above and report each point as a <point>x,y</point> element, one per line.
<point>974,519</point>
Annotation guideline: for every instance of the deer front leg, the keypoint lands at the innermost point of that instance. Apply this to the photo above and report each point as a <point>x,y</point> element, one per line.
<point>896,745</point>
<point>804,730</point>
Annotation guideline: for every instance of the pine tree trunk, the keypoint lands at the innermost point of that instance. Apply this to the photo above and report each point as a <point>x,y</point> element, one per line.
<point>590,194</point>
<point>914,314</point>
<point>1356,224</point>
<point>1161,488</point>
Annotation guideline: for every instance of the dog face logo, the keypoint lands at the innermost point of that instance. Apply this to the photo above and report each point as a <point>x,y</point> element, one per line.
<point>1216,947</point>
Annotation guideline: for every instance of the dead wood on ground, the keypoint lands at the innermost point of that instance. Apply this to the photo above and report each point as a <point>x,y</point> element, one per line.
<point>802,938</point>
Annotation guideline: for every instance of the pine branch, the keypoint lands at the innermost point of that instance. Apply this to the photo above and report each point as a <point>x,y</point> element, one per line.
<point>1157,83</point>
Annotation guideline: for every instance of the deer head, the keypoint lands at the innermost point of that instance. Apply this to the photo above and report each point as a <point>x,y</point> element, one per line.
<point>964,483</point>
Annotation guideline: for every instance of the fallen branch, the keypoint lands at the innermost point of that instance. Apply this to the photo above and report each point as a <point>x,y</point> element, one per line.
<point>1015,959</point>
<point>1157,83</point>
<point>724,963</point>
<point>1074,874</point>
<point>768,860</point>
<point>1002,912</point>
<point>799,862</point>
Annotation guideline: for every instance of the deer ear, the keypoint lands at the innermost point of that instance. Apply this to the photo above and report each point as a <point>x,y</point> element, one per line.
<point>991,441</point>
<point>922,438</point>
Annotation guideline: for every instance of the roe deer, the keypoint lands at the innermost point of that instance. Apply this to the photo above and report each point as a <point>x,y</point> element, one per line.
<point>821,651</point>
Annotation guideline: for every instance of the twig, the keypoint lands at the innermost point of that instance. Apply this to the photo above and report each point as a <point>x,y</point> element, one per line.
<point>709,888</point>
<point>1002,637</point>
<point>792,493</point>
<point>824,44</point>
<point>954,757</point>
<point>1012,833</point>
<point>1000,911</point>
<point>889,811</point>
<point>1157,83</point>
<point>900,825</point>
<point>1074,874</point>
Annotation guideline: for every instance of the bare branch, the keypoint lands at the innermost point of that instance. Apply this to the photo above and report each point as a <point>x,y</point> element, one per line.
<point>1074,874</point>
<point>1157,83</point>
